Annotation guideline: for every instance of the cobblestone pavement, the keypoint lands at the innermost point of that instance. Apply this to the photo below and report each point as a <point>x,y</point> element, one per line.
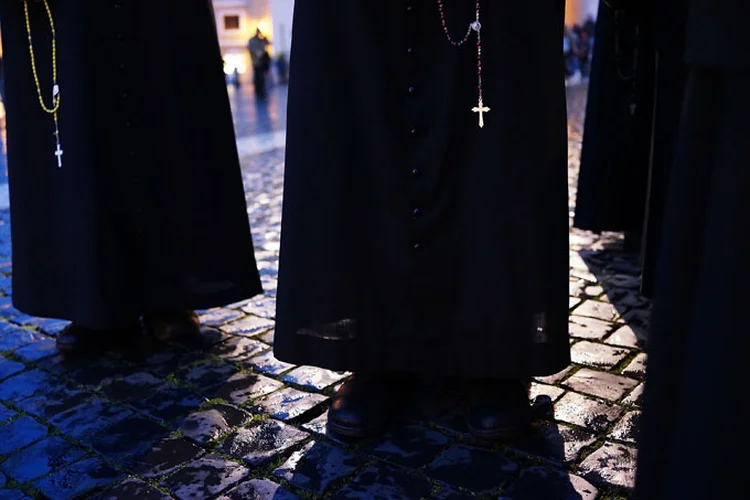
<point>232,422</point>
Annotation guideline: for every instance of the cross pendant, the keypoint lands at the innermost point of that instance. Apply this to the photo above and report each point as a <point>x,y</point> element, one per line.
<point>59,153</point>
<point>481,109</point>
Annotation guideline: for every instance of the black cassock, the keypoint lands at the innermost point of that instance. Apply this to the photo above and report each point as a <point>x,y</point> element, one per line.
<point>695,404</point>
<point>411,239</point>
<point>148,210</point>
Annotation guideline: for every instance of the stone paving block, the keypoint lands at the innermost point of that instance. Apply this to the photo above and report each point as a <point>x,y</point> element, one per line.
<point>95,373</point>
<point>57,400</point>
<point>238,349</point>
<point>313,378</point>
<point>20,433</point>
<point>212,423</point>
<point>600,384</point>
<point>26,384</point>
<point>167,362</point>
<point>588,328</point>
<point>77,479</point>
<point>258,489</point>
<point>573,302</point>
<point>586,412</point>
<point>316,465</point>
<point>268,337</point>
<point>555,443</point>
<point>262,441</point>
<point>288,404</point>
<point>611,464</point>
<point>132,388</point>
<point>474,469</point>
<point>244,387</point>
<point>263,307</point>
<point>267,364</point>
<point>127,437</point>
<point>248,326</point>
<point>380,482</point>
<point>40,349</point>
<point>13,338</point>
<point>451,494</point>
<point>598,310</point>
<point>319,425</point>
<point>8,367</point>
<point>218,316</point>
<point>169,404</point>
<point>635,397</point>
<point>556,378</point>
<point>411,446</point>
<point>627,428</point>
<point>550,391</point>
<point>205,477</point>
<point>639,318</point>
<point>131,489</point>
<point>637,367</point>
<point>165,457</point>
<point>86,420</point>
<point>207,376</point>
<point>5,413</point>
<point>13,495</point>
<point>626,336</point>
<point>597,355</point>
<point>41,459</point>
<point>538,483</point>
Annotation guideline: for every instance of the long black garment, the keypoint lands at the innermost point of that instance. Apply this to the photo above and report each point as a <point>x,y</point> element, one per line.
<point>411,239</point>
<point>148,210</point>
<point>614,170</point>
<point>694,407</point>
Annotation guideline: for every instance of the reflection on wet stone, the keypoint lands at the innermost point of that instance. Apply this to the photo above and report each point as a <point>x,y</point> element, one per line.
<point>14,337</point>
<point>380,482</point>
<point>238,348</point>
<point>127,437</point>
<point>205,477</point>
<point>38,350</point>
<point>249,326</point>
<point>600,384</point>
<point>20,433</point>
<point>207,376</point>
<point>268,337</point>
<point>262,441</point>
<point>87,419</point>
<point>209,425</point>
<point>411,446</point>
<point>317,465</point>
<point>288,403</point>
<point>244,387</point>
<point>258,489</point>
<point>40,459</point>
<point>132,387</point>
<point>26,384</point>
<point>555,443</point>
<point>132,489</point>
<point>586,412</point>
<point>77,479</point>
<point>8,367</point>
<point>539,483</point>
<point>475,469</point>
<point>166,457</point>
<point>312,377</point>
<point>263,307</point>
<point>219,316</point>
<point>169,403</point>
<point>55,401</point>
<point>627,429</point>
<point>268,364</point>
<point>612,464</point>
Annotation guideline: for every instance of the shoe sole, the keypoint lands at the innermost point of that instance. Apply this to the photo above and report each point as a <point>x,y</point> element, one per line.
<point>504,434</point>
<point>343,431</point>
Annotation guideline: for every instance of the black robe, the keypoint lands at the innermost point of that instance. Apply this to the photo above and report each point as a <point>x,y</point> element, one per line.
<point>411,239</point>
<point>148,210</point>
<point>695,407</point>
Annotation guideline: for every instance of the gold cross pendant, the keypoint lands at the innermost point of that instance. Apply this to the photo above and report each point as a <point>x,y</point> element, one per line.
<point>481,109</point>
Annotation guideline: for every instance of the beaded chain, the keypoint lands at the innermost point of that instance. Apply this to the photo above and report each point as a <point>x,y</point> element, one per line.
<point>476,26</point>
<point>55,107</point>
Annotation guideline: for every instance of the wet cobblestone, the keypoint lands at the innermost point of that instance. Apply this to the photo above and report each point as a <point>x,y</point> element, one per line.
<point>227,420</point>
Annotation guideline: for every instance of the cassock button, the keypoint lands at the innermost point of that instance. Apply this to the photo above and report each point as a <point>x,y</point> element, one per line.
<point>415,172</point>
<point>411,89</point>
<point>120,36</point>
<point>125,95</point>
<point>410,50</point>
<point>417,246</point>
<point>128,123</point>
<point>122,67</point>
<point>417,212</point>
<point>413,131</point>
<point>409,7</point>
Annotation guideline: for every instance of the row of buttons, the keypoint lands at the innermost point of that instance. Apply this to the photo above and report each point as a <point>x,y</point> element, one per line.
<point>415,172</point>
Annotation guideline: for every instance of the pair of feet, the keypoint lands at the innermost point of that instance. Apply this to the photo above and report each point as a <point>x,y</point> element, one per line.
<point>164,327</point>
<point>362,407</point>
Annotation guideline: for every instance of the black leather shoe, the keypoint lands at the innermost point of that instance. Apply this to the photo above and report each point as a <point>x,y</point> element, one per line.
<point>79,339</point>
<point>499,409</point>
<point>365,404</point>
<point>173,326</point>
